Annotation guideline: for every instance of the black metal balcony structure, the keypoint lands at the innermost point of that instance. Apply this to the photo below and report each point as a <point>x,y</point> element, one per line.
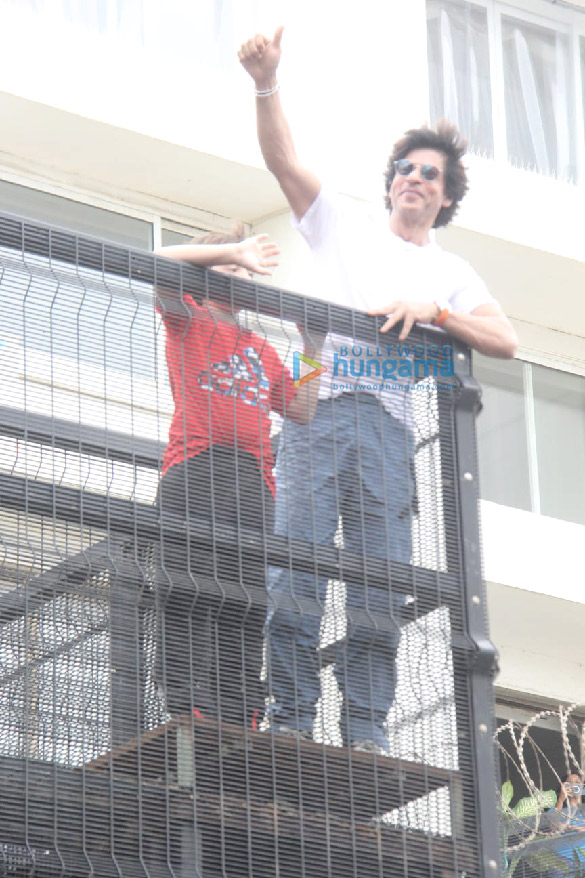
<point>98,778</point>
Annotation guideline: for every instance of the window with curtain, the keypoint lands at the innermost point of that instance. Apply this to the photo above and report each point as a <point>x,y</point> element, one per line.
<point>120,18</point>
<point>538,92</point>
<point>204,32</point>
<point>509,81</point>
<point>459,70</point>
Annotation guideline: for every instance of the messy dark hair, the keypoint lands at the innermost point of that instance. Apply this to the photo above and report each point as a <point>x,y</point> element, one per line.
<point>234,236</point>
<point>445,139</point>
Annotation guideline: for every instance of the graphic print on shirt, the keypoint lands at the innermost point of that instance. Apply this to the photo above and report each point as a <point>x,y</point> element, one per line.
<point>242,376</point>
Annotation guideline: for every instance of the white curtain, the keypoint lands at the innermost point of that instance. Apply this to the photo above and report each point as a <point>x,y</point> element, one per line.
<point>459,69</point>
<point>450,102</point>
<point>538,92</point>
<point>206,31</point>
<point>540,129</point>
<point>120,18</point>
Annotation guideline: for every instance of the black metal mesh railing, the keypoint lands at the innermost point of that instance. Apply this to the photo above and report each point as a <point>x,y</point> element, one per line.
<point>213,662</point>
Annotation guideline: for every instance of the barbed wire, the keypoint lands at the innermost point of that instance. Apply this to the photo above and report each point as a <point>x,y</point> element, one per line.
<point>514,748</point>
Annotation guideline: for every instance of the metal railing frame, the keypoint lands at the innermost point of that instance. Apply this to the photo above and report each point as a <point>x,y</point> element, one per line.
<point>473,654</point>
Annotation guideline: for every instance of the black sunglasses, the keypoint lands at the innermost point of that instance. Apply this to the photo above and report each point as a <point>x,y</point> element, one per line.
<point>404,167</point>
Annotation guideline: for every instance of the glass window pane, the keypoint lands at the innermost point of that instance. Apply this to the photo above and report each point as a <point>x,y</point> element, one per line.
<point>170,236</point>
<point>559,408</point>
<point>582,46</point>
<point>71,312</point>
<point>539,98</point>
<point>501,433</point>
<point>81,218</point>
<point>78,314</point>
<point>459,70</point>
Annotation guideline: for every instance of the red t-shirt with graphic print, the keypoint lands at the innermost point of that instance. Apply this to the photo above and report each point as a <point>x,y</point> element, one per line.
<point>225,381</point>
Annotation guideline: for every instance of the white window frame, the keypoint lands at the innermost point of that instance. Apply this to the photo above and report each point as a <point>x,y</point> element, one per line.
<point>210,222</point>
<point>571,23</point>
<point>547,362</point>
<point>79,195</point>
<point>161,215</point>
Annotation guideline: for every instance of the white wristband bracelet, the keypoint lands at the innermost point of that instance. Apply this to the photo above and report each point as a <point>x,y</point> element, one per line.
<point>265,93</point>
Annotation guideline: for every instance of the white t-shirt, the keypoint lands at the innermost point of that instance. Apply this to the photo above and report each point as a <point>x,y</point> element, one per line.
<point>362,264</point>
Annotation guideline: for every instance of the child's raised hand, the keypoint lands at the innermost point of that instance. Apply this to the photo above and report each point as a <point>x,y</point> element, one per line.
<point>258,254</point>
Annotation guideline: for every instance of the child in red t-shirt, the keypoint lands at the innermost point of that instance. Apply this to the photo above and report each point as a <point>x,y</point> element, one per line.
<point>217,466</point>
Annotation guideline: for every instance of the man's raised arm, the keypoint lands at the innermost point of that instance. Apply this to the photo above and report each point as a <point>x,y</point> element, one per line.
<point>260,57</point>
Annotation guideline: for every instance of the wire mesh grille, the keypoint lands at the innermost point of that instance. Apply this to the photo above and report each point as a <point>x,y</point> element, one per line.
<point>198,677</point>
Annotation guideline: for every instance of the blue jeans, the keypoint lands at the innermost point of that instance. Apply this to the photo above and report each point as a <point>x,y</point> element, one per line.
<point>354,461</point>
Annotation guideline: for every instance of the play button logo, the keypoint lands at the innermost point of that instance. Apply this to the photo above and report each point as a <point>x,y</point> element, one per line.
<point>316,369</point>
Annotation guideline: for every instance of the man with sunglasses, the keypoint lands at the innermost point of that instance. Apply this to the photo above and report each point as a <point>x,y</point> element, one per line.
<point>355,461</point>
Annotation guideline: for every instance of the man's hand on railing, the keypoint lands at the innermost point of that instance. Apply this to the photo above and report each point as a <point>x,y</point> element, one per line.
<point>260,57</point>
<point>486,329</point>
<point>409,312</point>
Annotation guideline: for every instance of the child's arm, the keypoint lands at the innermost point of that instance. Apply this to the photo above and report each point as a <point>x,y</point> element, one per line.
<point>256,254</point>
<point>301,409</point>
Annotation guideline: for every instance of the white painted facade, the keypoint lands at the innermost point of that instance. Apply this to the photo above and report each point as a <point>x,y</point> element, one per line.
<point>163,130</point>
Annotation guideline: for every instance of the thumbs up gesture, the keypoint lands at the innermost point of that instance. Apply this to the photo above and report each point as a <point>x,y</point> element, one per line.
<point>260,57</point>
